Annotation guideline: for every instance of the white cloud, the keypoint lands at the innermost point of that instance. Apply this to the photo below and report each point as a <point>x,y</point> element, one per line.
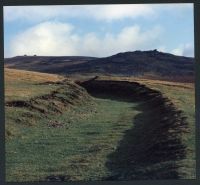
<point>175,6</point>
<point>184,50</point>
<point>99,12</point>
<point>177,51</point>
<point>45,38</point>
<point>115,12</point>
<point>56,38</point>
<point>162,49</point>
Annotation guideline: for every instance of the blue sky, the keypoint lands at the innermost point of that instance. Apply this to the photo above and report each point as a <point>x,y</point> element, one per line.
<point>98,30</point>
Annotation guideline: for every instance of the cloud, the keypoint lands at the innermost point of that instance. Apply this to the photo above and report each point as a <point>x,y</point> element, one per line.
<point>56,38</point>
<point>162,49</point>
<point>178,6</point>
<point>116,12</point>
<point>184,50</point>
<point>98,12</point>
<point>46,38</point>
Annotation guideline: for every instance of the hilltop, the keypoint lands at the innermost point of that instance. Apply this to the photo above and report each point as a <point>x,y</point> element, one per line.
<point>134,63</point>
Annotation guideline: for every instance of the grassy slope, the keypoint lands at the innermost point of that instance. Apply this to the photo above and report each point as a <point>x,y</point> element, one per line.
<point>181,94</point>
<point>17,82</point>
<point>77,149</point>
<point>20,85</point>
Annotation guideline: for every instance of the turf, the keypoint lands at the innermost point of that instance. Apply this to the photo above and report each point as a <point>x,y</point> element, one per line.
<point>79,142</point>
<point>181,94</point>
<point>78,150</point>
<point>21,85</point>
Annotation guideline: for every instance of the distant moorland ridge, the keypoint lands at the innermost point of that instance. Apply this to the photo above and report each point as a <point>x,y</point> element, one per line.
<point>128,63</point>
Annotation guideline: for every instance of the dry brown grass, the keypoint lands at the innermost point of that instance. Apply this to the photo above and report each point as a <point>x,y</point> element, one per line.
<point>14,74</point>
<point>151,82</point>
<point>20,84</point>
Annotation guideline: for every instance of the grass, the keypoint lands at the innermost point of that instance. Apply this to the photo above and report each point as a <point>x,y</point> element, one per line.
<point>78,150</point>
<point>26,86</point>
<point>17,82</point>
<point>184,99</point>
<point>81,141</point>
<point>181,94</point>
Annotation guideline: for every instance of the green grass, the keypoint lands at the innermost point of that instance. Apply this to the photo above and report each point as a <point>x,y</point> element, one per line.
<point>181,94</point>
<point>90,132</point>
<point>184,99</point>
<point>78,150</point>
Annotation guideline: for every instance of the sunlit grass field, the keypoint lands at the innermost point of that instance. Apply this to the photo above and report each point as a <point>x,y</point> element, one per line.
<point>78,148</point>
<point>75,143</point>
<point>21,85</point>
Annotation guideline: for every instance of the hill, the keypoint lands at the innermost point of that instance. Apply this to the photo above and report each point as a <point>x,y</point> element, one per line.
<point>47,64</point>
<point>139,63</point>
<point>118,129</point>
<point>128,64</point>
<point>31,97</point>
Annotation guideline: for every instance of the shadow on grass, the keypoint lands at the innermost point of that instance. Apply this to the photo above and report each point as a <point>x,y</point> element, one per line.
<point>153,148</point>
<point>148,151</point>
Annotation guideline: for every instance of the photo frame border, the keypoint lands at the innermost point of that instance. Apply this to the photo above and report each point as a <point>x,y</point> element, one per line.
<point>196,5</point>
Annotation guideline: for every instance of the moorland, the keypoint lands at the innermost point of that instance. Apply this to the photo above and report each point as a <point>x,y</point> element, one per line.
<point>125,117</point>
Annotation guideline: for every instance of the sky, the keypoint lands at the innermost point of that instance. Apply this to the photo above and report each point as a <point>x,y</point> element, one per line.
<point>98,30</point>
